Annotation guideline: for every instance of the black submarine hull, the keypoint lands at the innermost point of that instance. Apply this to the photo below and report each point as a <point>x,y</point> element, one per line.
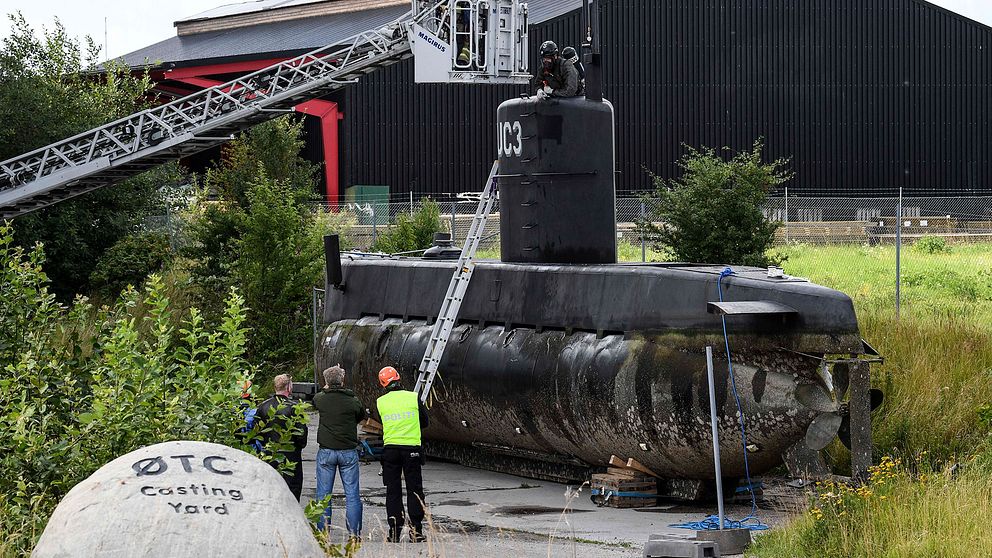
<point>598,359</point>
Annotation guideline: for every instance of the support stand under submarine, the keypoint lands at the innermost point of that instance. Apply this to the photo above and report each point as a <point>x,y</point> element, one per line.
<point>561,357</point>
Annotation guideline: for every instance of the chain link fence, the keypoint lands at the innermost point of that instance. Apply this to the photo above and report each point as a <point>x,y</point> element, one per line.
<point>857,245</point>
<point>805,220</point>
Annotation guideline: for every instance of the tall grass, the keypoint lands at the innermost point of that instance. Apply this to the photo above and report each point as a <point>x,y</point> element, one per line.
<point>937,376</point>
<point>905,515</point>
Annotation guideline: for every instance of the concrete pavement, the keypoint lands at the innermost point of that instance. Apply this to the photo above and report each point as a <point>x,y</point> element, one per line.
<point>481,513</point>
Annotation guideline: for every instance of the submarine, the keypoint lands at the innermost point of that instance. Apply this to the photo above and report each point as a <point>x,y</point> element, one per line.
<point>562,357</point>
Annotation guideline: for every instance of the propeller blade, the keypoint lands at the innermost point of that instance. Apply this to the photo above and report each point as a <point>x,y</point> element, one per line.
<point>822,430</point>
<point>816,398</point>
<point>844,432</point>
<point>877,397</point>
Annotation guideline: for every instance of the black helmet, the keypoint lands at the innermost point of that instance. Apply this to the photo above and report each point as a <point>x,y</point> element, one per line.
<point>549,48</point>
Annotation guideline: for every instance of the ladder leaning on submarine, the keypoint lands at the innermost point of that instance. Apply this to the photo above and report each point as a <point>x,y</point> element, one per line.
<point>491,33</point>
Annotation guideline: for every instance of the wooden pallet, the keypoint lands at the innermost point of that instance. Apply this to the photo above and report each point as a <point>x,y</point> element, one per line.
<point>624,491</point>
<point>370,430</point>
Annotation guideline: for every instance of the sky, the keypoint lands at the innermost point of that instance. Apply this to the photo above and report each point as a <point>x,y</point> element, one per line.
<point>133,24</point>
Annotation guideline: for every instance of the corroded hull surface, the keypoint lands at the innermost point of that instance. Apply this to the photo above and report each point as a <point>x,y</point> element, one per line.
<point>579,397</point>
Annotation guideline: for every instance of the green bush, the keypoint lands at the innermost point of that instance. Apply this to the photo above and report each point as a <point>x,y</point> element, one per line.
<point>82,386</point>
<point>253,228</point>
<point>129,262</point>
<point>412,233</point>
<point>216,221</point>
<point>931,244</point>
<point>279,260</point>
<point>713,213</point>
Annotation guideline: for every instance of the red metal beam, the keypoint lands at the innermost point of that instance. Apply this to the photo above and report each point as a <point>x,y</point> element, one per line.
<point>326,111</point>
<point>200,82</point>
<point>329,115</point>
<point>228,68</point>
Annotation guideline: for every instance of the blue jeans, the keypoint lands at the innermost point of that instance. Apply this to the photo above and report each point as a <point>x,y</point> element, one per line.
<point>328,461</point>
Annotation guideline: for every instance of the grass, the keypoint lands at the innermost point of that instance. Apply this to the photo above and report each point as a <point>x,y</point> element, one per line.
<point>937,379</point>
<point>896,514</point>
<point>956,283</point>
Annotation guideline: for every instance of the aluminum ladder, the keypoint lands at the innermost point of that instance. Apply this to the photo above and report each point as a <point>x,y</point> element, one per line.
<point>143,140</point>
<point>448,315</point>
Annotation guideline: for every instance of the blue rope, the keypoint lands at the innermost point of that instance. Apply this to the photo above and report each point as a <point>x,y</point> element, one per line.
<point>370,450</point>
<point>712,523</point>
<point>751,521</point>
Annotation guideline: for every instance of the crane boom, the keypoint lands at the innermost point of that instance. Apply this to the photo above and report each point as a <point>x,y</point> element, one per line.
<point>133,144</point>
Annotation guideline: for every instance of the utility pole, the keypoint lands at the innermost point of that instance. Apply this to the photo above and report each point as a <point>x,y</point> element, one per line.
<point>898,248</point>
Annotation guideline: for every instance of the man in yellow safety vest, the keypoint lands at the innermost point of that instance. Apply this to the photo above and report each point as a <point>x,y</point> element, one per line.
<point>403,417</point>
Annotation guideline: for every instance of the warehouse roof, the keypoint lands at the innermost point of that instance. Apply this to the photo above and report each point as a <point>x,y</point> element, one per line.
<point>288,37</point>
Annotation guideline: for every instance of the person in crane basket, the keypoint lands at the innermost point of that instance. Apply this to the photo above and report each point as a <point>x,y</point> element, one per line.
<point>569,55</point>
<point>557,76</point>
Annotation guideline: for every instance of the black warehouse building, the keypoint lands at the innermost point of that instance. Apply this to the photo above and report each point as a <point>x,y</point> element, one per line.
<point>863,96</point>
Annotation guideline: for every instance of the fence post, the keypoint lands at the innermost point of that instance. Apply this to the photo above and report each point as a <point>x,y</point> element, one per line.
<point>786,214</point>
<point>313,316</point>
<point>453,222</point>
<point>375,233</point>
<point>411,203</point>
<point>643,224</point>
<point>898,249</point>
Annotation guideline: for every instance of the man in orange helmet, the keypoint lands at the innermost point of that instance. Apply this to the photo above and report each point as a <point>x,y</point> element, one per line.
<point>403,417</point>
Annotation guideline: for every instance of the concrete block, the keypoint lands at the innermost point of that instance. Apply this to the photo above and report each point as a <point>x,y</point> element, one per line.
<point>731,541</point>
<point>659,547</point>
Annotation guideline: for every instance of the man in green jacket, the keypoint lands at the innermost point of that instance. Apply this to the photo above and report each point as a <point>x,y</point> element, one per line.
<point>403,417</point>
<point>337,435</point>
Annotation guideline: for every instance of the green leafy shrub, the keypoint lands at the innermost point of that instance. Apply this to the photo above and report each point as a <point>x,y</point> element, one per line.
<point>81,386</point>
<point>129,262</point>
<point>216,221</point>
<point>713,213</point>
<point>412,232</point>
<point>279,260</point>
<point>253,228</point>
<point>931,244</point>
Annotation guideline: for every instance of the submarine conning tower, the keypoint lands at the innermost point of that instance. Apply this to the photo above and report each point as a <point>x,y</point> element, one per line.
<point>556,181</point>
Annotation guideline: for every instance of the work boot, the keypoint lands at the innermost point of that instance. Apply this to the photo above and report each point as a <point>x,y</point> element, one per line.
<point>394,535</point>
<point>416,536</point>
<point>463,56</point>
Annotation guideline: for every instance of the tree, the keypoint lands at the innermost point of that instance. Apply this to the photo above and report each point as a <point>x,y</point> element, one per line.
<point>129,261</point>
<point>713,212</point>
<point>279,259</point>
<point>51,88</point>
<point>253,228</point>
